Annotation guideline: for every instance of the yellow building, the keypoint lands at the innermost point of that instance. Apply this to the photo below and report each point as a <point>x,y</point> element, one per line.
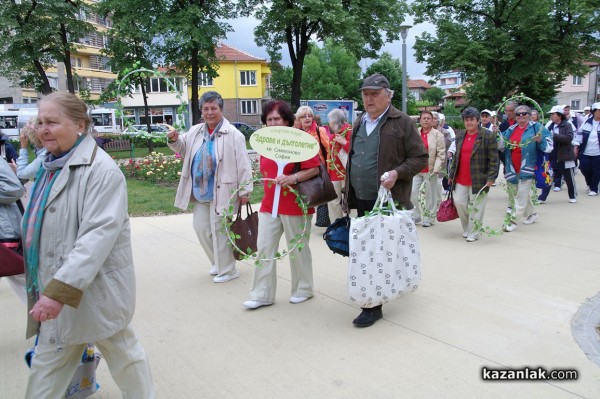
<point>243,81</point>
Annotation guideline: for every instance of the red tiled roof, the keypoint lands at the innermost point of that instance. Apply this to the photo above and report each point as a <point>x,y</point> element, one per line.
<point>225,52</point>
<point>418,84</point>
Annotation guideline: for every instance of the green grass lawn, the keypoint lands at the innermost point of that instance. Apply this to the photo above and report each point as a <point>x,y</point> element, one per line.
<point>140,152</point>
<point>151,199</point>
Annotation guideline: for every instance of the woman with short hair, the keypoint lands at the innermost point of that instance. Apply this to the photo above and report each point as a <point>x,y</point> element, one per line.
<point>289,221</point>
<point>473,171</point>
<point>215,163</point>
<point>78,258</point>
<point>521,143</point>
<point>337,157</point>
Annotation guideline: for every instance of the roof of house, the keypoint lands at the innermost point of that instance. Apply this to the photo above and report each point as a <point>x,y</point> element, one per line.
<point>418,84</point>
<point>226,52</point>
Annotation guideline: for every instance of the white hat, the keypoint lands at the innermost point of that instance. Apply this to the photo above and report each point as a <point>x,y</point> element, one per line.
<point>486,111</point>
<point>493,113</point>
<point>595,106</point>
<point>587,108</point>
<point>557,109</point>
<point>441,116</point>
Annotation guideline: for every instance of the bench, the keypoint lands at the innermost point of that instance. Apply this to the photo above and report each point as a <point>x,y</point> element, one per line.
<point>118,145</point>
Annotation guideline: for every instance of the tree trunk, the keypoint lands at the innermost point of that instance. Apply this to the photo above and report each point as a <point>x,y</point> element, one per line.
<point>147,112</point>
<point>67,58</point>
<point>45,87</point>
<point>195,104</point>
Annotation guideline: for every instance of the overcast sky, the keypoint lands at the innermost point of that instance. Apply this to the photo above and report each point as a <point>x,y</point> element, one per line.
<point>243,38</point>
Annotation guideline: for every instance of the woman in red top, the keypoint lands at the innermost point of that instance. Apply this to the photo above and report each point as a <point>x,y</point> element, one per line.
<point>337,157</point>
<point>474,167</point>
<point>289,221</point>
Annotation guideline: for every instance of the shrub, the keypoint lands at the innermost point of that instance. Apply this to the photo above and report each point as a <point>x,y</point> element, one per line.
<point>155,167</point>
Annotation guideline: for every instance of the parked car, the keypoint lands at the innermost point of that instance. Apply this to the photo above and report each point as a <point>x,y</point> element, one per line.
<point>246,129</point>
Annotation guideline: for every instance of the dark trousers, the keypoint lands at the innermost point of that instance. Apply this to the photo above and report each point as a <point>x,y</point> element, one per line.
<point>569,176</point>
<point>590,168</point>
<point>363,206</point>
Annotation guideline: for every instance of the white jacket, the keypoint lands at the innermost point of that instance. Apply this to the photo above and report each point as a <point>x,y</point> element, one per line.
<point>233,164</point>
<point>85,248</point>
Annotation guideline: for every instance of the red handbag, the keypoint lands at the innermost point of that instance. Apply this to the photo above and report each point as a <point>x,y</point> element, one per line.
<point>11,263</point>
<point>447,211</point>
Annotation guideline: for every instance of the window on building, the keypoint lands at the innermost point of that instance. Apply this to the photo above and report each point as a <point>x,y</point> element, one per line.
<point>76,62</point>
<point>249,107</point>
<point>204,79</point>
<point>575,104</point>
<point>248,78</point>
<point>577,80</point>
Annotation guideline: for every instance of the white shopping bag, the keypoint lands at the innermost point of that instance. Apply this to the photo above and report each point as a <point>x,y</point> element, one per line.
<point>384,254</point>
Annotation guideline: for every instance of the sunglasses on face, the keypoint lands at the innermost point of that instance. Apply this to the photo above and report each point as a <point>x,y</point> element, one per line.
<point>522,113</point>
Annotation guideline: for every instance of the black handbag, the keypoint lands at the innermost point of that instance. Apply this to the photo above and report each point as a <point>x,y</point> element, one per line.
<point>317,190</point>
<point>322,216</point>
<point>337,236</point>
<point>246,232</point>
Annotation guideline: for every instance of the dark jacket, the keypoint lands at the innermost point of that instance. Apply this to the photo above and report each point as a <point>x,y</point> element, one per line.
<point>10,152</point>
<point>400,148</point>
<point>562,141</point>
<point>484,159</point>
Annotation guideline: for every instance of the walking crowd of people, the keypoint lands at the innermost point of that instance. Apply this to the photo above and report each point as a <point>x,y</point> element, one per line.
<point>74,236</point>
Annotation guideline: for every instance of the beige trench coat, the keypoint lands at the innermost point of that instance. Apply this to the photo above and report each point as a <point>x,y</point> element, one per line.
<point>85,253</point>
<point>233,165</point>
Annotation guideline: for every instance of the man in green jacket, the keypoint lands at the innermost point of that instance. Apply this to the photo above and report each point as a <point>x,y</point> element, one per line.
<point>384,140</point>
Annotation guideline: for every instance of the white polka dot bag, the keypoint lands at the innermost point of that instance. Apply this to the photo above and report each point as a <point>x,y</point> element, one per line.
<point>384,261</point>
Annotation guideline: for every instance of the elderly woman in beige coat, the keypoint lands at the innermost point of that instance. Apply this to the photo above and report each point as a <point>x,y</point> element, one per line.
<point>79,263</point>
<point>215,163</point>
<point>434,143</point>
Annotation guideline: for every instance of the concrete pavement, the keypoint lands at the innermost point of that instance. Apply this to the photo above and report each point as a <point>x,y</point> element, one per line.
<point>507,301</point>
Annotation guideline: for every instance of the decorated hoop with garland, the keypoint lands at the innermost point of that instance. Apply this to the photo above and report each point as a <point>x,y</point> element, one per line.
<point>521,99</point>
<point>179,124</point>
<point>227,220</point>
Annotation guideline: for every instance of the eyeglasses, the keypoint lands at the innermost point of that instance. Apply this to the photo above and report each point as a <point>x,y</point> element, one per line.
<point>522,113</point>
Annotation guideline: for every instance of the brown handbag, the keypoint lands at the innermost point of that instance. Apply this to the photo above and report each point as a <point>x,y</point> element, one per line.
<point>317,190</point>
<point>246,232</point>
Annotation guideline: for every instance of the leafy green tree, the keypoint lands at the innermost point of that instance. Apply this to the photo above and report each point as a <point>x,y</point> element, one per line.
<point>188,34</point>
<point>35,34</point>
<point>361,26</point>
<point>281,81</point>
<point>509,46</point>
<point>330,73</point>
<point>434,95</point>
<point>130,46</point>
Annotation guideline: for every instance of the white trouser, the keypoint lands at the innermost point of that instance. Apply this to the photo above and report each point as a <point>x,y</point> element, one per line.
<point>520,195</point>
<point>52,367</point>
<point>335,207</point>
<point>207,225</point>
<point>463,195</point>
<point>265,275</point>
<point>432,196</point>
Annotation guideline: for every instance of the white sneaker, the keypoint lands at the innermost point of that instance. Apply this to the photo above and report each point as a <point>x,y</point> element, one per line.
<point>572,200</point>
<point>213,271</point>
<point>592,193</point>
<point>227,277</point>
<point>472,239</point>
<point>557,189</point>
<point>541,201</point>
<point>464,235</point>
<point>256,304</point>
<point>510,227</point>
<point>531,219</point>
<point>298,299</point>
<point>426,224</point>
<point>509,210</point>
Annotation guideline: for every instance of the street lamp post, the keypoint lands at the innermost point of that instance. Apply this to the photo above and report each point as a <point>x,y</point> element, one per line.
<point>404,32</point>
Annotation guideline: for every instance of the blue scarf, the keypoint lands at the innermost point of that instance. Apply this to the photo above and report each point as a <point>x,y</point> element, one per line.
<point>204,166</point>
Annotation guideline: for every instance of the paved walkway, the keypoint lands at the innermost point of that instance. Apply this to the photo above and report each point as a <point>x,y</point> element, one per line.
<point>507,301</point>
